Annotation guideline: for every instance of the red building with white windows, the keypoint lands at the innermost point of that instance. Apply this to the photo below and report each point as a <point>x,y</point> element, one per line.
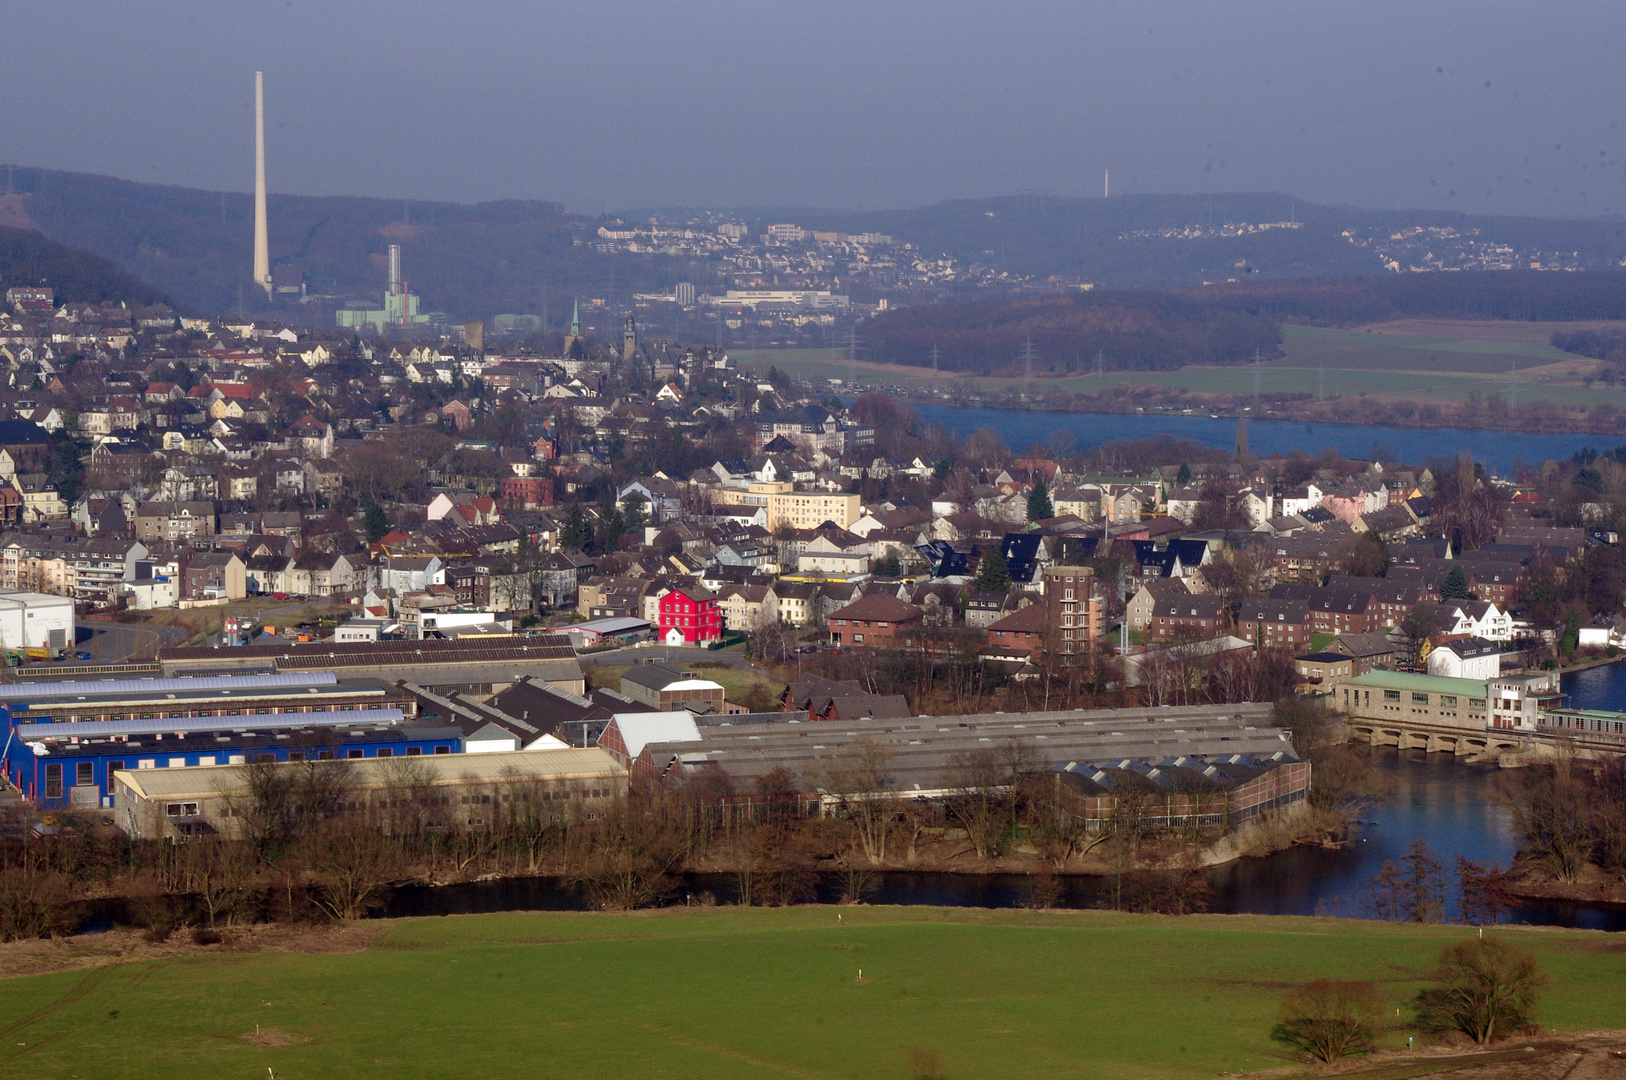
<point>693,614</point>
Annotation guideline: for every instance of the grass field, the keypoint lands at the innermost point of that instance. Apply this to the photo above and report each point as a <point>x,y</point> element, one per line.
<point>727,993</point>
<point>1439,360</point>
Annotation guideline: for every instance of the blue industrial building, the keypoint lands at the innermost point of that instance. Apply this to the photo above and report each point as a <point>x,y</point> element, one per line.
<point>70,765</point>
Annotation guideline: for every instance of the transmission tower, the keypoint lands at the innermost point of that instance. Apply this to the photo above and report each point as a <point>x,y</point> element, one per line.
<point>1027,356</point>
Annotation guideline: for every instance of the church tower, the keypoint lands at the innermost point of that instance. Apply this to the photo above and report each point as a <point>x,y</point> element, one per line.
<point>575,347</point>
<point>629,340</point>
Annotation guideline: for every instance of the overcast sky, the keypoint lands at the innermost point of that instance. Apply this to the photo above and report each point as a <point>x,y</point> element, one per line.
<point>1496,108</point>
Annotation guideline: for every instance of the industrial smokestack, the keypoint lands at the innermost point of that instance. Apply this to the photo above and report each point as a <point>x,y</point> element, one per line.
<point>395,269</point>
<point>262,242</point>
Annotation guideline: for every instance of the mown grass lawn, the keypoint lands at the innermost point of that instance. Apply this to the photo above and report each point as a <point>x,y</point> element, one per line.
<point>725,993</point>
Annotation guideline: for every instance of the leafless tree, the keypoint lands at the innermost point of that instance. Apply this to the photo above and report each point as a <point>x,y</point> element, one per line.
<point>223,874</point>
<point>861,778</point>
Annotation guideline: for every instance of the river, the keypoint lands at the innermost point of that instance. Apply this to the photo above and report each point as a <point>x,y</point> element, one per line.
<point>1435,798</point>
<point>1499,450</point>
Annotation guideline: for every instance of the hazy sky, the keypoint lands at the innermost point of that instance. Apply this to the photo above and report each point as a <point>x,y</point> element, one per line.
<point>1497,108</point>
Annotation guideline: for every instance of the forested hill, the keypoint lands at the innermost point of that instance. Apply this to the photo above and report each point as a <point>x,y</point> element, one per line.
<point>28,258</point>
<point>1139,330</point>
<point>1218,324</point>
<point>198,245</point>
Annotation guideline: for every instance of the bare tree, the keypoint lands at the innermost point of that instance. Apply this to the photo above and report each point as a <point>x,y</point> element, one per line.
<point>1484,988</point>
<point>1329,1019</point>
<point>862,780</point>
<point>352,865</point>
<point>224,875</point>
<point>978,794</point>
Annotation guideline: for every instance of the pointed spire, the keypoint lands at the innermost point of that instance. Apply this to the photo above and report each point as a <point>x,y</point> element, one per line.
<point>576,319</point>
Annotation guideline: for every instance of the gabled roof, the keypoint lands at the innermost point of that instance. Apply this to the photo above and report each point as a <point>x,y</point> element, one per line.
<point>638,730</point>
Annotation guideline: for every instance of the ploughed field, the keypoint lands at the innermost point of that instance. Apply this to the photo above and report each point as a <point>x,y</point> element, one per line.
<point>721,993</point>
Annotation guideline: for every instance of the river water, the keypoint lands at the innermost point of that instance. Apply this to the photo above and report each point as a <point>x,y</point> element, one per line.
<point>1435,798</point>
<point>1499,450</point>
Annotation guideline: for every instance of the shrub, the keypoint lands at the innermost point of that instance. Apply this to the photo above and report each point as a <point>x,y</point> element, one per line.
<point>1484,988</point>
<point>1329,1019</point>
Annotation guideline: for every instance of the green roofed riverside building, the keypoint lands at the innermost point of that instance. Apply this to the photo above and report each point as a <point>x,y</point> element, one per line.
<point>1438,713</point>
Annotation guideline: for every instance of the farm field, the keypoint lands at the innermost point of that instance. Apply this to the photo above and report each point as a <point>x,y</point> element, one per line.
<point>727,993</point>
<point>1438,360</point>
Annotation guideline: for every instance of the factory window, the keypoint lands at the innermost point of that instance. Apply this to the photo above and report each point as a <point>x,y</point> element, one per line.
<point>414,751</point>
<point>296,755</point>
<point>53,780</point>
<point>1476,703</point>
<point>181,809</point>
<point>1419,699</point>
<point>324,755</point>
<point>384,751</point>
<point>356,753</point>
<point>84,773</point>
<point>443,749</point>
<point>1391,695</point>
<point>1448,701</point>
<point>113,767</point>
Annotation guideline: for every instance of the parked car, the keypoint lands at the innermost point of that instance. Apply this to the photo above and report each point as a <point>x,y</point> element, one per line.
<point>83,656</point>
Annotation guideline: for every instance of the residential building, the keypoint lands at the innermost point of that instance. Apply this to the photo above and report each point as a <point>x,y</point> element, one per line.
<point>879,620</point>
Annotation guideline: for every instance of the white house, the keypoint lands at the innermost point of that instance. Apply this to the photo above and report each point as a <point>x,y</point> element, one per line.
<point>1466,658</point>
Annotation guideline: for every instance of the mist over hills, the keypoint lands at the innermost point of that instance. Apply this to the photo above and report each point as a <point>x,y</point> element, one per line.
<point>521,255</point>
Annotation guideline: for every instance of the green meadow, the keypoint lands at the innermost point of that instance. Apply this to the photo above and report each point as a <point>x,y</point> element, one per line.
<point>1442,361</point>
<point>720,993</point>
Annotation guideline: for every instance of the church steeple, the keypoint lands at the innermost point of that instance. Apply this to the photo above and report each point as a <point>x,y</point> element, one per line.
<point>629,339</point>
<point>575,348</point>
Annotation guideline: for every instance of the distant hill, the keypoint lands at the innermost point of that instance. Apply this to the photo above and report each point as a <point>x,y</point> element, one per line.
<point>28,258</point>
<point>1176,241</point>
<point>469,260</point>
<point>1219,324</point>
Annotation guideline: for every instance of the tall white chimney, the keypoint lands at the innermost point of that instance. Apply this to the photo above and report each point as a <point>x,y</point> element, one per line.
<point>262,241</point>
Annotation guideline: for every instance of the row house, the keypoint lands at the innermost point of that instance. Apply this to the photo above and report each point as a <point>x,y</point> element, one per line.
<point>1176,616</point>
<point>1271,622</point>
<point>174,521</point>
<point>747,608</point>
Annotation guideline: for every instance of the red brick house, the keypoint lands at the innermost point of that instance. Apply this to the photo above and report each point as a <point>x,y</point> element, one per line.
<point>1176,616</point>
<point>1021,629</point>
<point>689,615</point>
<point>526,492</point>
<point>1274,622</point>
<point>879,620</point>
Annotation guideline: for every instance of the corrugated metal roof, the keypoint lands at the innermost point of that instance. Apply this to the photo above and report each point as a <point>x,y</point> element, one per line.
<point>210,781</point>
<point>102,687</point>
<point>88,729</point>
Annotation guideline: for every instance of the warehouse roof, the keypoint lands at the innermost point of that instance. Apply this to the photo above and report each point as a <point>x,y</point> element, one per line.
<point>520,766</point>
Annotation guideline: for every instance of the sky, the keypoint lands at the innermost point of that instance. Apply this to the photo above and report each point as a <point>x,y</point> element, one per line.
<point>1499,108</point>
